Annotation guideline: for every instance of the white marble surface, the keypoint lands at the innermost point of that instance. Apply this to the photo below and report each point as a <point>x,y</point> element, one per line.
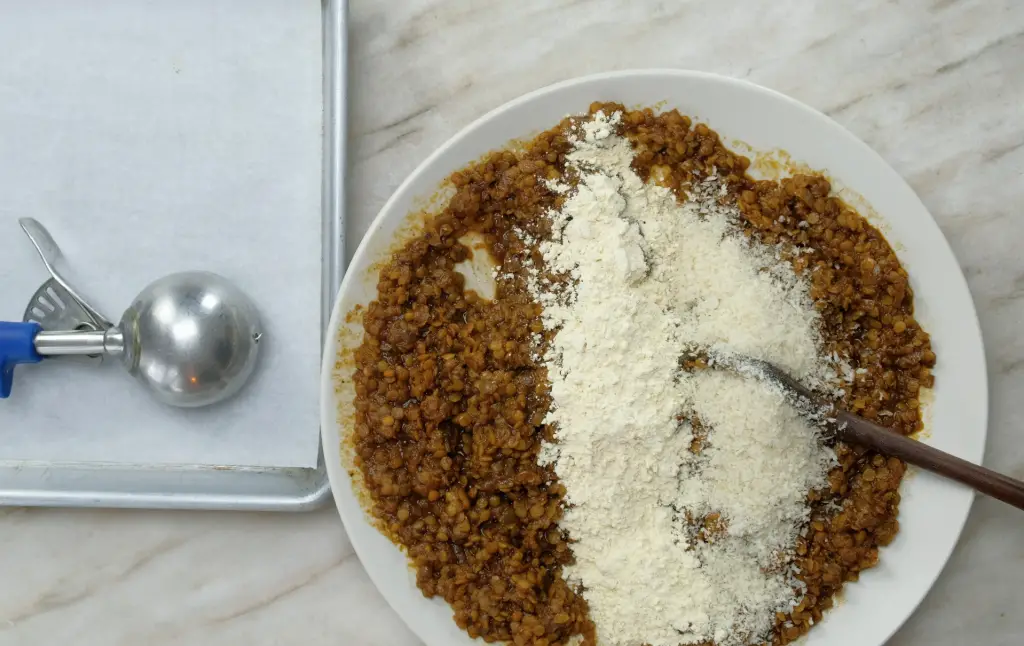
<point>936,87</point>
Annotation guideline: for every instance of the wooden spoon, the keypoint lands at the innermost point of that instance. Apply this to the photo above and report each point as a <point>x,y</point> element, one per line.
<point>854,429</point>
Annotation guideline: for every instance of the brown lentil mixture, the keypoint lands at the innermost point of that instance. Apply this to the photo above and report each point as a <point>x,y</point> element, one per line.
<point>450,402</point>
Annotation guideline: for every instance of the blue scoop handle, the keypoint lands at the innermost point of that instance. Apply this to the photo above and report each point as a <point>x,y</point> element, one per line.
<point>17,345</point>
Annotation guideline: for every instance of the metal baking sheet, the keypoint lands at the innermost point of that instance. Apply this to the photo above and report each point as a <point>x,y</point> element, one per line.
<point>50,484</point>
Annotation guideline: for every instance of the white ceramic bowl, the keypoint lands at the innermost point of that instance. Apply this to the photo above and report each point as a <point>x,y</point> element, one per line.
<point>933,511</point>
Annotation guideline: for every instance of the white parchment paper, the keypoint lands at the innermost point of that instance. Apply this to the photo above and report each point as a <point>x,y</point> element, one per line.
<point>153,136</point>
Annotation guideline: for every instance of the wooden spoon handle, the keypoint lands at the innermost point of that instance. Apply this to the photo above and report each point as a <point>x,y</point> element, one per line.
<point>860,431</point>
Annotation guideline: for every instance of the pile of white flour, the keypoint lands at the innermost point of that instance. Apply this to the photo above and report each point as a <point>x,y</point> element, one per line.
<point>651,277</point>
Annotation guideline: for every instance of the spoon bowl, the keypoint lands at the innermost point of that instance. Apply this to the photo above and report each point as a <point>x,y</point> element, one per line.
<point>191,338</point>
<point>854,429</point>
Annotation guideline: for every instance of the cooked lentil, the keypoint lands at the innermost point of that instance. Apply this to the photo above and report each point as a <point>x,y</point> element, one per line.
<point>449,399</point>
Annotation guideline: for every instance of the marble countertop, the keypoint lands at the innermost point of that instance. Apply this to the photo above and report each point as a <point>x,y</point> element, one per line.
<point>936,87</point>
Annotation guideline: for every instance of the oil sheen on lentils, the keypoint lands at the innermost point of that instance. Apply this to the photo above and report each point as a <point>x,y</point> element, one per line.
<point>549,466</point>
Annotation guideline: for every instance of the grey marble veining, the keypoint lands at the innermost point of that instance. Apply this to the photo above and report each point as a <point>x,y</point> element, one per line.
<point>937,88</point>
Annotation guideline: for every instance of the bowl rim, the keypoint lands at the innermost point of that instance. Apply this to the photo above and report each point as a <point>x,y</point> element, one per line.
<point>331,435</point>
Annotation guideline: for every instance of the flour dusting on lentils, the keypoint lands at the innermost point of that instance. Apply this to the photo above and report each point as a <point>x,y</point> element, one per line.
<point>686,490</point>
<point>582,452</point>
